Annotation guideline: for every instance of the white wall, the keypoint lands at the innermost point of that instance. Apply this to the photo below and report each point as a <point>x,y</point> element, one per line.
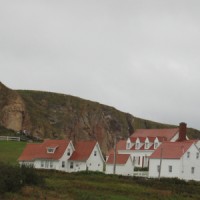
<point>153,170</point>
<point>126,169</point>
<point>65,158</point>
<point>77,166</point>
<point>95,163</point>
<point>181,168</point>
<point>135,154</point>
<point>188,163</point>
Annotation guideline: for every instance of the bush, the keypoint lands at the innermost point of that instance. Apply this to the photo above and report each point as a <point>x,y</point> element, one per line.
<point>12,178</point>
<point>29,176</point>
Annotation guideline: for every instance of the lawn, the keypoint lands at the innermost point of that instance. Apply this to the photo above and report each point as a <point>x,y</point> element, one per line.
<point>96,186</point>
<point>10,151</point>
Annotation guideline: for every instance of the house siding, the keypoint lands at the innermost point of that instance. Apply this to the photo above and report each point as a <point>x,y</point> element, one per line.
<point>181,168</point>
<point>121,169</point>
<point>95,163</point>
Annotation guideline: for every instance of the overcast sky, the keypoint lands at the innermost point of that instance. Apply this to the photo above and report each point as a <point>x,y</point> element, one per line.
<point>140,56</point>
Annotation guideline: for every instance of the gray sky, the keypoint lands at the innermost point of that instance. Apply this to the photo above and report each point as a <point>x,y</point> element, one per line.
<point>140,56</point>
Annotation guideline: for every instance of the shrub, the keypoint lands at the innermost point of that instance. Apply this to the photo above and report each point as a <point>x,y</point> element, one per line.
<point>29,176</point>
<point>12,178</point>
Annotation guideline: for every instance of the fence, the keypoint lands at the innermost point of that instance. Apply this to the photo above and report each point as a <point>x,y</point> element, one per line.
<point>9,138</point>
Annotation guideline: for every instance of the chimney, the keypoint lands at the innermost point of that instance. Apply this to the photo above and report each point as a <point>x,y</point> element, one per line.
<point>182,131</point>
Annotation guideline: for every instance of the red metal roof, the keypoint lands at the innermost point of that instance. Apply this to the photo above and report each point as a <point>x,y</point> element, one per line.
<point>39,151</point>
<point>133,139</point>
<point>171,150</point>
<point>167,133</point>
<point>121,145</point>
<point>150,148</point>
<point>121,159</point>
<point>83,150</point>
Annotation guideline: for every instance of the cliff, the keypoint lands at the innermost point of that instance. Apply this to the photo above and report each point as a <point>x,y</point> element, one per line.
<point>51,115</point>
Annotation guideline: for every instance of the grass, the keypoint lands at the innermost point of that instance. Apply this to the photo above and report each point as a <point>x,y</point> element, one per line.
<point>10,151</point>
<point>96,186</point>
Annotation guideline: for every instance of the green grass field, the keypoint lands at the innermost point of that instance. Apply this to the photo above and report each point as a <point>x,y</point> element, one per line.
<point>10,151</point>
<point>96,186</point>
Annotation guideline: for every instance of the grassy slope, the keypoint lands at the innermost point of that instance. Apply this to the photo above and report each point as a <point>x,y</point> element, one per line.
<point>97,186</point>
<point>10,151</point>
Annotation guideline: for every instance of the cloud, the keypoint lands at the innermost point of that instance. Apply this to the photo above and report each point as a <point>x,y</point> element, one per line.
<point>138,56</point>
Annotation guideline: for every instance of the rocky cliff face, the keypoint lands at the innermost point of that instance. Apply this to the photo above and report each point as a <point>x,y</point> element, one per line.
<point>50,115</point>
<point>13,112</point>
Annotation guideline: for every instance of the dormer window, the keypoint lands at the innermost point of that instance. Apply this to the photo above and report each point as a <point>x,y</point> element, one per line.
<point>128,145</point>
<point>137,145</point>
<point>68,152</point>
<point>155,145</point>
<point>51,149</point>
<point>146,145</point>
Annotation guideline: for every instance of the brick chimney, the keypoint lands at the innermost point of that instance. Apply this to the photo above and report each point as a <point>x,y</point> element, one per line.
<point>182,131</point>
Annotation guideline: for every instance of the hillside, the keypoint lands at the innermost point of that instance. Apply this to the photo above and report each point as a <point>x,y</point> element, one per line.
<point>52,115</point>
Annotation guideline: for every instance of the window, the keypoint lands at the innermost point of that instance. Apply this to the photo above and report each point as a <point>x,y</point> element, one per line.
<point>170,168</point>
<point>197,155</point>
<point>63,164</point>
<point>42,164</point>
<point>192,170</point>
<point>95,153</point>
<point>71,165</point>
<point>68,152</point>
<point>51,164</point>
<point>155,145</point>
<point>188,154</point>
<point>146,145</point>
<point>51,149</point>
<point>158,168</point>
<point>128,145</point>
<point>137,145</point>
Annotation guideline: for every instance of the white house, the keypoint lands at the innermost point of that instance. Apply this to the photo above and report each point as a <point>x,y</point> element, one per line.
<point>51,154</point>
<point>87,156</point>
<point>143,142</point>
<point>62,155</point>
<point>123,162</point>
<point>176,159</point>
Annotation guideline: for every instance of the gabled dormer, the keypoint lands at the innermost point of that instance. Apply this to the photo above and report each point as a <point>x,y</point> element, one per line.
<point>51,149</point>
<point>146,143</point>
<point>128,144</point>
<point>137,143</point>
<point>156,143</point>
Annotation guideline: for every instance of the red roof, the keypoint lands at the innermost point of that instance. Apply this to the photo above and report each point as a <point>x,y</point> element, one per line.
<point>171,150</point>
<point>83,150</point>
<point>167,133</point>
<point>133,139</point>
<point>121,159</point>
<point>39,151</point>
<point>150,148</point>
<point>121,145</point>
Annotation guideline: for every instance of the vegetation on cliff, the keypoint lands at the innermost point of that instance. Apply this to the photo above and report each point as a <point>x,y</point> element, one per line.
<point>52,115</point>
